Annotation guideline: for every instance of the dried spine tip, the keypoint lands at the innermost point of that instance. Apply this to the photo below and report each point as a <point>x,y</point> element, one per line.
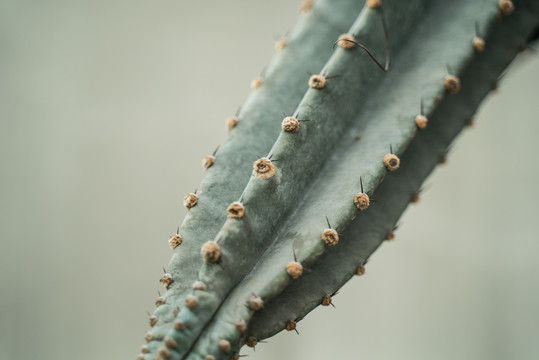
<point>294,269</point>
<point>163,353</point>
<point>360,270</point>
<point>208,161</point>
<point>210,251</point>
<point>280,44</point>
<point>469,122</point>
<point>305,5</point>
<point>362,201</point>
<point>178,325</point>
<point>160,301</point>
<point>255,84</point>
<point>144,349</point>
<point>256,303</point>
<point>506,7</point>
<point>290,325</point>
<point>231,122</point>
<point>171,343</point>
<point>175,241</point>
<point>235,210</point>
<point>452,84</point>
<point>191,302</point>
<point>263,169</point>
<point>190,200</point>
<point>251,341</point>
<point>346,41</point>
<point>148,337</point>
<point>153,320</point>
<point>166,280</point>
<point>415,198</point>
<point>224,346</point>
<point>235,357</point>
<point>317,82</point>
<point>326,300</point>
<point>199,285</point>
<point>391,162</point>
<point>290,124</point>
<point>241,325</point>
<point>330,237</point>
<point>390,236</point>
<point>421,121</point>
<point>478,44</point>
<point>373,4</point>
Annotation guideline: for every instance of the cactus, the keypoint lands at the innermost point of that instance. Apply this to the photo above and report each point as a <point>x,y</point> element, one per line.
<point>269,238</point>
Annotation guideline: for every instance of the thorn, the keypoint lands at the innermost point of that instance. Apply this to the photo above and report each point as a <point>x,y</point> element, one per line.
<point>385,67</point>
<point>329,225</point>
<point>215,151</point>
<point>361,183</point>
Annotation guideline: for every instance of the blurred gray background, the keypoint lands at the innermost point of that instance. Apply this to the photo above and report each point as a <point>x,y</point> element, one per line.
<point>106,110</point>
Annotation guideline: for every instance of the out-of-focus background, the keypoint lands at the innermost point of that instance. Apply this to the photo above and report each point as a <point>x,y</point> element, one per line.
<point>106,110</point>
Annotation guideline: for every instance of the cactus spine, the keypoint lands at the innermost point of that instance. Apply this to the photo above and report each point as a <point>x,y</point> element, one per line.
<point>265,241</point>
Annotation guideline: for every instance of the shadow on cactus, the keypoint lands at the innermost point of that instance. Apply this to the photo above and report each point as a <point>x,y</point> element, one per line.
<point>267,239</point>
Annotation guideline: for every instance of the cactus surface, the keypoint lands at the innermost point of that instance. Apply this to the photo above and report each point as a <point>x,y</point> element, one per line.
<point>266,240</point>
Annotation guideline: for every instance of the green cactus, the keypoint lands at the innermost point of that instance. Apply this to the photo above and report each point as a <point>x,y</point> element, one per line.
<point>280,236</point>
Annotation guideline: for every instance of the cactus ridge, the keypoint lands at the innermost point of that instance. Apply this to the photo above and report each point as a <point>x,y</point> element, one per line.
<point>274,264</point>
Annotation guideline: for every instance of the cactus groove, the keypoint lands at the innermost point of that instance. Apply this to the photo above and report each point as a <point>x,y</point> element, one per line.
<point>268,239</point>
